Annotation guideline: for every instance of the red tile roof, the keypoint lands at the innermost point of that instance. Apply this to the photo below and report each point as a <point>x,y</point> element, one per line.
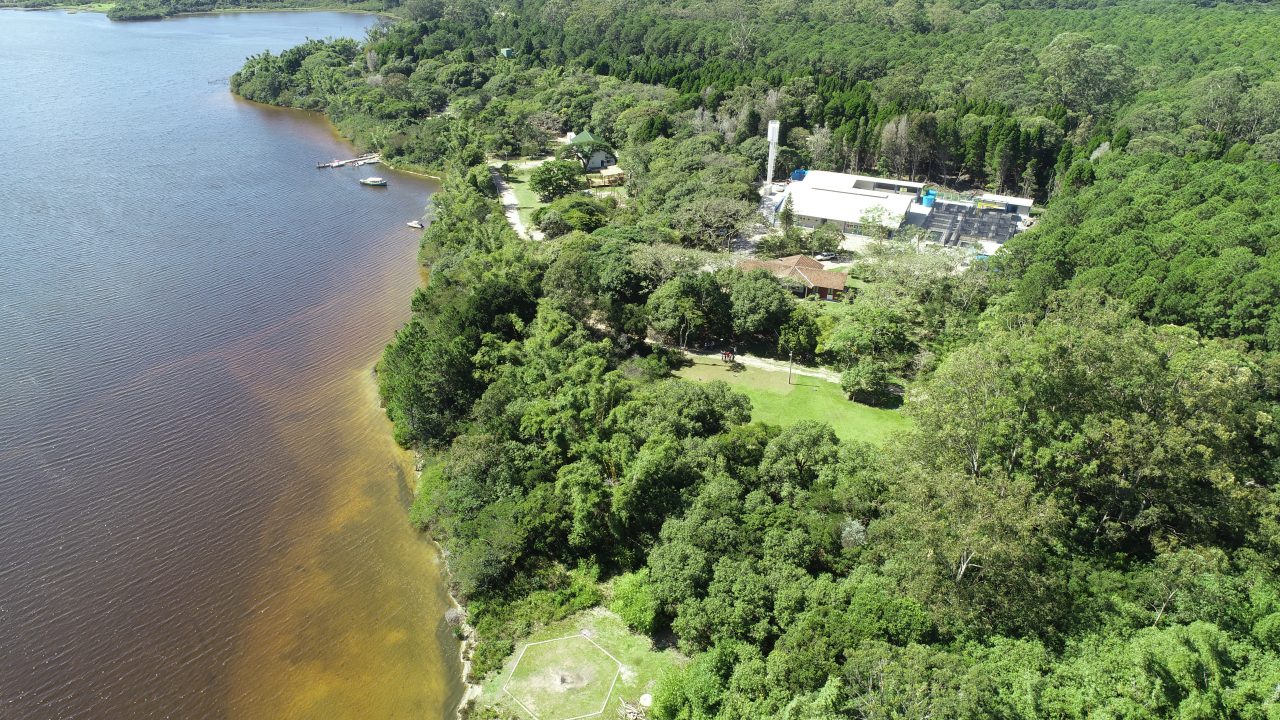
<point>799,268</point>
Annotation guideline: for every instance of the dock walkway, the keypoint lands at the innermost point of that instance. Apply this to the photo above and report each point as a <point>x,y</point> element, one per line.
<point>366,159</point>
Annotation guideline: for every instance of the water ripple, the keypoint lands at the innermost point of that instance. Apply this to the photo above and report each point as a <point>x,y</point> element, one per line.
<point>186,305</point>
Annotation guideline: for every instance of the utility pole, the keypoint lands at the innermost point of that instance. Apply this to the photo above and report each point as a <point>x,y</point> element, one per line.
<point>791,359</point>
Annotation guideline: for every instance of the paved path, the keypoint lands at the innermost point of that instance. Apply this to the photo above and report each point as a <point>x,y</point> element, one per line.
<point>510,204</point>
<point>771,365</point>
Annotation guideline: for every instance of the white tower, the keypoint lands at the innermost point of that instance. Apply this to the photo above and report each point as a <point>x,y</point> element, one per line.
<point>773,153</point>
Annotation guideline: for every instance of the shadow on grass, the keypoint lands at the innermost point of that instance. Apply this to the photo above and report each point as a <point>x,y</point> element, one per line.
<point>892,402</point>
<point>685,361</point>
<point>890,399</point>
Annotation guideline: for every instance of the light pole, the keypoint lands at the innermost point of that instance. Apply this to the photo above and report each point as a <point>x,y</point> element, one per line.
<point>791,358</point>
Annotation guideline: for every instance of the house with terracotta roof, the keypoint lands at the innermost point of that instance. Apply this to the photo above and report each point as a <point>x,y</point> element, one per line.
<point>803,274</point>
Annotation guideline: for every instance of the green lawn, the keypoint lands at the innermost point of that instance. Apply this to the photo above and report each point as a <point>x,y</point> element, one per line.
<point>525,196</point>
<point>564,677</point>
<point>806,398</point>
<point>561,672</point>
<point>851,282</point>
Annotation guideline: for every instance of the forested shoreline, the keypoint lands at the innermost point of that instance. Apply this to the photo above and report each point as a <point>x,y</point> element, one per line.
<point>1082,519</point>
<point>134,10</point>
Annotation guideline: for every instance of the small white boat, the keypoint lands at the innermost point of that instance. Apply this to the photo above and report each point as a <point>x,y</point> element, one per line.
<point>416,225</point>
<point>374,181</point>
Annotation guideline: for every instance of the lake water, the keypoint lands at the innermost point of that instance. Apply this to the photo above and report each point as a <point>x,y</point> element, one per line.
<point>201,509</point>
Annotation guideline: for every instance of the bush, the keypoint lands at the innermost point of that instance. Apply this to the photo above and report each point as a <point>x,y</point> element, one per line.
<point>795,241</point>
<point>423,511</point>
<point>499,622</point>
<point>634,602</point>
<point>567,214</point>
<point>481,179</point>
<point>867,382</point>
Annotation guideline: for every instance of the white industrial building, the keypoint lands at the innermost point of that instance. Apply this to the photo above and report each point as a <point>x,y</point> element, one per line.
<point>851,202</point>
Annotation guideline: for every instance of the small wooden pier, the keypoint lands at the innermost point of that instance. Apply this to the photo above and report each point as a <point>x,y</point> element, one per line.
<point>366,159</point>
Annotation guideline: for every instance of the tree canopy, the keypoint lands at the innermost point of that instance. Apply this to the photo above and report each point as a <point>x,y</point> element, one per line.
<point>1083,519</point>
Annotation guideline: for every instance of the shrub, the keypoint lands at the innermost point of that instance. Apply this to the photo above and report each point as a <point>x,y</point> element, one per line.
<point>867,381</point>
<point>423,511</point>
<point>634,602</point>
<point>1267,631</point>
<point>567,214</point>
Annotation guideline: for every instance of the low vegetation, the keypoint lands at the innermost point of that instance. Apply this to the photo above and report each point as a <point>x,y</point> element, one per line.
<point>576,665</point>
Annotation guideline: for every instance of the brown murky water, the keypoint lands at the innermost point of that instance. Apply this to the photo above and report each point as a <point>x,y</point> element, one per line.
<point>201,508</point>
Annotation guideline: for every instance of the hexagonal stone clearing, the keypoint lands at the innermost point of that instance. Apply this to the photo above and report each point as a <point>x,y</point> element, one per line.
<point>563,679</point>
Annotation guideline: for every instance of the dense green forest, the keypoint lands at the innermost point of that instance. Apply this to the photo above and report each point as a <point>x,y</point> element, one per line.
<point>1083,519</point>
<point>1004,97</point>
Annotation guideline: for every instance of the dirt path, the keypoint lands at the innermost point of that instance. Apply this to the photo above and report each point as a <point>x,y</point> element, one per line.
<point>510,203</point>
<point>771,365</point>
<point>511,206</point>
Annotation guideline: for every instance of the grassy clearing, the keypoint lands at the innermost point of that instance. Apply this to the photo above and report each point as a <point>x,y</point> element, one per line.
<point>566,677</point>
<point>617,191</point>
<point>571,677</point>
<point>806,398</point>
<point>525,196</point>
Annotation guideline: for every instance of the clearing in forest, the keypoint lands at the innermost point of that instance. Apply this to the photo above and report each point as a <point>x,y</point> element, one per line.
<point>563,678</point>
<point>776,402</point>
<point>526,199</point>
<point>573,637</point>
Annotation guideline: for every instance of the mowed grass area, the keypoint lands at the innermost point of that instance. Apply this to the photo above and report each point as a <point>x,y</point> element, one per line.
<point>807,398</point>
<point>566,677</point>
<point>525,196</point>
<point>574,675</point>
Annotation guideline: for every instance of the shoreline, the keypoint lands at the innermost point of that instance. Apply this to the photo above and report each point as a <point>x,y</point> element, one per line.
<point>401,169</point>
<point>465,633</point>
<point>106,7</point>
<point>471,689</point>
<point>466,642</point>
<point>335,131</point>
